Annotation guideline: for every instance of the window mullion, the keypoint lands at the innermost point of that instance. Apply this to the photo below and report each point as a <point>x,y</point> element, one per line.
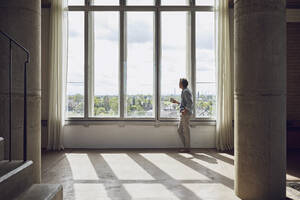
<point>86,64</point>
<point>122,63</point>
<point>91,66</point>
<point>157,60</point>
<point>193,58</point>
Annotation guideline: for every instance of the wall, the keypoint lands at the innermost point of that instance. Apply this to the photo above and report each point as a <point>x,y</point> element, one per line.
<point>135,136</point>
<point>22,21</point>
<point>293,80</point>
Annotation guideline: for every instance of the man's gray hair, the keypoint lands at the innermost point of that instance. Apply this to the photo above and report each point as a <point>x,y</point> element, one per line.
<point>184,82</point>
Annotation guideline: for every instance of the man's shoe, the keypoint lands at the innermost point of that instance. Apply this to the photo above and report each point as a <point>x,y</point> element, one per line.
<point>184,151</point>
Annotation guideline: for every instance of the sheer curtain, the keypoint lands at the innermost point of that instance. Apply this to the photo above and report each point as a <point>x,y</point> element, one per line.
<point>57,65</point>
<point>224,129</point>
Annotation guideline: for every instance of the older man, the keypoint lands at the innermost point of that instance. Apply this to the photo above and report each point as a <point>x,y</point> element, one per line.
<point>186,110</point>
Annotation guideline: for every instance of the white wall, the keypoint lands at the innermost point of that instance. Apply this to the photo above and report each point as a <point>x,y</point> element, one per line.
<point>135,136</point>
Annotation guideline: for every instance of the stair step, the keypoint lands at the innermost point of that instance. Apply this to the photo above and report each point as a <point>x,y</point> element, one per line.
<point>15,177</point>
<point>42,192</point>
<point>1,148</point>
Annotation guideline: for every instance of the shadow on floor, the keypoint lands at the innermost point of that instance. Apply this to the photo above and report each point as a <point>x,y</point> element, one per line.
<point>204,157</point>
<point>210,181</point>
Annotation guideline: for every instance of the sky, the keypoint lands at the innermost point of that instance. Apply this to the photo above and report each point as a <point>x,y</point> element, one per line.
<point>140,53</point>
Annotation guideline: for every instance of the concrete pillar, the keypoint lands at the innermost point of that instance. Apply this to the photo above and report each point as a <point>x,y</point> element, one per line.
<point>260,99</point>
<point>21,19</point>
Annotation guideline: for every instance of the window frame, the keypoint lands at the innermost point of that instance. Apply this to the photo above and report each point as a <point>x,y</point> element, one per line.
<point>122,8</point>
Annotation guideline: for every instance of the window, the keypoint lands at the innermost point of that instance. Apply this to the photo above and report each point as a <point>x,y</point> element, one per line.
<point>174,2</point>
<point>105,2</point>
<point>140,2</point>
<point>140,65</point>
<point>205,65</point>
<point>173,60</point>
<point>75,78</point>
<point>205,2</point>
<point>125,61</point>
<point>75,2</point>
<point>106,64</point>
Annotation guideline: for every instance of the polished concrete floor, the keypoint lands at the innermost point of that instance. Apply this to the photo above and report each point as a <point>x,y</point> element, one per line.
<point>144,174</point>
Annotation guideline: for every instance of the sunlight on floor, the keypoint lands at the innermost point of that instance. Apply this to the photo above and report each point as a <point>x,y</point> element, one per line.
<point>149,191</point>
<point>292,193</point>
<point>211,191</point>
<point>81,166</point>
<point>227,155</point>
<point>136,175</point>
<point>290,177</point>
<point>125,168</point>
<point>93,191</point>
<point>172,167</point>
<point>211,163</point>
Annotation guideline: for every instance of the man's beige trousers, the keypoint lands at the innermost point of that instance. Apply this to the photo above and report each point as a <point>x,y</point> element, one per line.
<point>184,130</point>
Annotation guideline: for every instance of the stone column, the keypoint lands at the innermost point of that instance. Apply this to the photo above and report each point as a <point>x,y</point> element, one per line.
<point>21,19</point>
<point>260,99</point>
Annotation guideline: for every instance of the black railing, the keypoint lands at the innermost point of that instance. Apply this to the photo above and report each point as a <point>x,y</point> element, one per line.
<point>12,41</point>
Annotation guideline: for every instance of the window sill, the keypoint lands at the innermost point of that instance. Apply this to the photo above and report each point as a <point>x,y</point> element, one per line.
<point>138,122</point>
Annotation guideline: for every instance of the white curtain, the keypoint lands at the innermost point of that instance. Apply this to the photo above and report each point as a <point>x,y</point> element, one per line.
<point>224,129</point>
<point>57,65</point>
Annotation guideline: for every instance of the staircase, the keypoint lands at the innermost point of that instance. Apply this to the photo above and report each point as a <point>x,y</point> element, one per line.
<point>16,181</point>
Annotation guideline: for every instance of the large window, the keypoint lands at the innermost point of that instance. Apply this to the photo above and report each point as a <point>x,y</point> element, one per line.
<point>173,60</point>
<point>106,64</point>
<point>75,79</point>
<point>125,61</point>
<point>205,65</point>
<point>140,65</point>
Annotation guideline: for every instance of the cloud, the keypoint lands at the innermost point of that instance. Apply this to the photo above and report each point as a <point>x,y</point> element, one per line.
<point>140,54</point>
<point>139,32</point>
<point>140,28</point>
<point>74,33</point>
<point>106,32</point>
<point>205,40</point>
<point>106,26</point>
<point>205,30</point>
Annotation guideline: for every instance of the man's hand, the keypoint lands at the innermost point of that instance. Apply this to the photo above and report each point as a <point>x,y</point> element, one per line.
<point>184,111</point>
<point>174,101</point>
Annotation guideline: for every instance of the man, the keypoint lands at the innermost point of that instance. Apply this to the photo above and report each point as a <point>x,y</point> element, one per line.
<point>186,110</point>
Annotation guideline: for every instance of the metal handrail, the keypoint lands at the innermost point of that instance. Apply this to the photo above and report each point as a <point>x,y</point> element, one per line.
<point>18,44</point>
<point>11,40</point>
